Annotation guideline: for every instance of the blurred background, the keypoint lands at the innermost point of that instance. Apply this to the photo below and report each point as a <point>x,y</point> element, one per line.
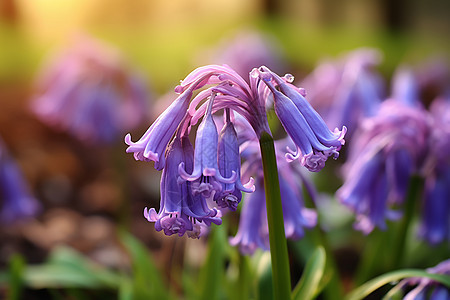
<point>86,189</point>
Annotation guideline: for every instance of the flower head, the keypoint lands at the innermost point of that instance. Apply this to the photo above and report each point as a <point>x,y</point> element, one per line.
<point>215,173</point>
<point>387,150</point>
<point>346,90</point>
<point>435,226</point>
<point>89,92</point>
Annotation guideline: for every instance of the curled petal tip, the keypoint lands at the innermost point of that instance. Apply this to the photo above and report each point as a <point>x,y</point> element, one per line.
<point>250,185</point>
<point>230,179</point>
<point>291,155</point>
<point>150,214</point>
<point>184,175</point>
<point>127,139</point>
<point>150,155</point>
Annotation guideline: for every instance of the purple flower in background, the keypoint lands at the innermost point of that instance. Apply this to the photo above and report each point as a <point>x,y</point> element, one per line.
<point>348,90</point>
<point>16,201</point>
<point>181,211</point>
<point>253,231</point>
<point>435,226</point>
<point>89,92</point>
<point>386,151</point>
<point>426,288</point>
<point>247,50</point>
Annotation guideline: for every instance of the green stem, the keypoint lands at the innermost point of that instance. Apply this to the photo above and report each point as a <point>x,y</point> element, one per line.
<point>415,186</point>
<point>278,245</point>
<point>313,239</point>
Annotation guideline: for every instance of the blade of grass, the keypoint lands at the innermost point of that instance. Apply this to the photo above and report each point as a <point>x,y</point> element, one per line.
<point>307,287</point>
<point>372,285</point>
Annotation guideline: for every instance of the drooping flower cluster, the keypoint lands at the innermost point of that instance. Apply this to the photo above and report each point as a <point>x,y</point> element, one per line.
<point>401,140</point>
<point>89,92</point>
<point>214,173</point>
<point>16,202</point>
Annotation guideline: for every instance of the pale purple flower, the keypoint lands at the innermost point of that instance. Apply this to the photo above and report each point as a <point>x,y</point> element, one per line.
<point>89,92</point>
<point>346,90</point>
<point>181,211</point>
<point>435,226</point>
<point>252,233</point>
<point>385,153</point>
<point>405,87</point>
<point>17,203</point>
<point>426,288</point>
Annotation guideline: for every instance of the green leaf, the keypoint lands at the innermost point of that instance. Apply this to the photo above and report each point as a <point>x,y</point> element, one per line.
<point>307,287</point>
<point>212,272</point>
<point>264,275</point>
<point>146,277</point>
<point>16,269</point>
<point>372,285</point>
<point>126,290</point>
<point>67,268</point>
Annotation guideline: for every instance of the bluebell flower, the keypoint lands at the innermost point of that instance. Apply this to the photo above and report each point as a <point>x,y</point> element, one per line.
<point>405,87</point>
<point>17,203</point>
<point>252,233</point>
<point>435,225</point>
<point>152,145</point>
<point>89,92</point>
<point>181,211</point>
<point>346,90</point>
<point>386,151</point>
<point>229,161</point>
<point>206,177</point>
<point>314,141</point>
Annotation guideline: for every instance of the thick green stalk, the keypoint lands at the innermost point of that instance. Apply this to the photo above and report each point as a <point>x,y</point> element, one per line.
<point>277,237</point>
